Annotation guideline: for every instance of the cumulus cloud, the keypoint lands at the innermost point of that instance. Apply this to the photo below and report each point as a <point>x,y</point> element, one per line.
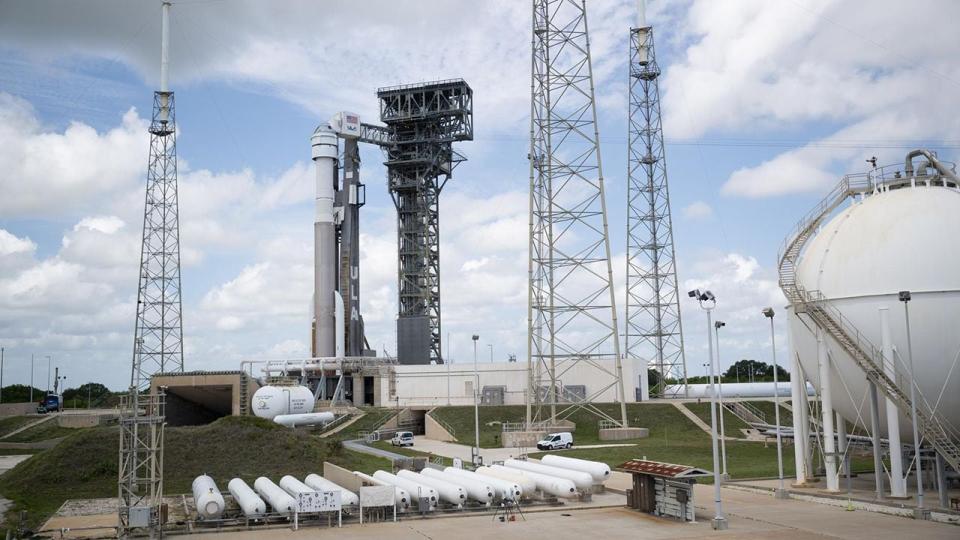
<point>763,68</point>
<point>697,210</point>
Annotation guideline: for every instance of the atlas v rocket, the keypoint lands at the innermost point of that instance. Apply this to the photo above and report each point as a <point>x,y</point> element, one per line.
<point>338,326</point>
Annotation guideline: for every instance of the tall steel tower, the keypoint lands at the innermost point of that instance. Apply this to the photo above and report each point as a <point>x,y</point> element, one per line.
<point>653,328</point>
<point>572,317</point>
<point>158,337</point>
<point>423,121</point>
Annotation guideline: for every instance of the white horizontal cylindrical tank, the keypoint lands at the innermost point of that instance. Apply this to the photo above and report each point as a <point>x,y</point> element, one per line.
<point>271,401</point>
<point>475,488</point>
<point>207,498</point>
<point>451,493</point>
<point>503,489</point>
<point>527,486</point>
<point>249,502</point>
<point>583,481</point>
<point>280,501</point>
<point>739,390</point>
<point>553,485</point>
<point>319,483</point>
<point>898,240</point>
<point>415,489</point>
<point>403,499</point>
<point>294,486</point>
<point>599,471</point>
<point>306,419</point>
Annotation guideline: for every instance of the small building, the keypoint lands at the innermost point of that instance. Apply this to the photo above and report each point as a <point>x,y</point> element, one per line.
<point>662,489</point>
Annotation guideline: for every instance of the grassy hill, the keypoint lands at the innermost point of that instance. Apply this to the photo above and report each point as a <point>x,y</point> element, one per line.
<point>84,465</point>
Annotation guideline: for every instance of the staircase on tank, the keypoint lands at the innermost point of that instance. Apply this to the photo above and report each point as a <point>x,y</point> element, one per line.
<point>931,425</point>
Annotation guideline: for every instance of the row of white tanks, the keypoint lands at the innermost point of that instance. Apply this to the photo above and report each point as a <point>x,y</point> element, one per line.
<point>253,502</point>
<point>555,476</point>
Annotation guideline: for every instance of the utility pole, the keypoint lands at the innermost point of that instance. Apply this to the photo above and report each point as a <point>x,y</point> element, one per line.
<point>781,492</point>
<point>920,512</point>
<point>476,403</point>
<point>1,374</point>
<point>31,377</point>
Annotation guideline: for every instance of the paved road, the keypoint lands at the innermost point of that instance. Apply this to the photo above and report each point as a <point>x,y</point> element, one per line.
<point>462,451</point>
<point>358,445</point>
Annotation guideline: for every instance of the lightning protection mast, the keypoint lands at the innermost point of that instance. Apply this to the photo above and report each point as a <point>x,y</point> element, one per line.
<point>572,318</point>
<point>158,336</point>
<point>653,330</point>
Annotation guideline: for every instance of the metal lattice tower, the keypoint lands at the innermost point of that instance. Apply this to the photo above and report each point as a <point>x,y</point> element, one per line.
<point>158,336</point>
<point>572,318</point>
<point>423,121</point>
<point>653,328</point>
<point>158,342</point>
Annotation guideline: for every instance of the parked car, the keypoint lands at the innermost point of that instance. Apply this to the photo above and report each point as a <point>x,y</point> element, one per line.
<point>553,441</point>
<point>402,438</point>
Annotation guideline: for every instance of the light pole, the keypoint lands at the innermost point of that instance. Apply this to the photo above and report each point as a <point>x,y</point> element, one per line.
<point>723,433</point>
<point>48,373</point>
<point>31,377</point>
<point>476,403</point>
<point>780,493</point>
<point>707,302</point>
<point>1,374</point>
<point>920,512</point>
<point>491,351</point>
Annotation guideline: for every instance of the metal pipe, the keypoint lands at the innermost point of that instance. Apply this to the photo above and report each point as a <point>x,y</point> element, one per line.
<point>905,298</point>
<point>898,484</point>
<point>826,406</point>
<point>940,167</point>
<point>799,405</point>
<point>781,492</point>
<point>875,430</point>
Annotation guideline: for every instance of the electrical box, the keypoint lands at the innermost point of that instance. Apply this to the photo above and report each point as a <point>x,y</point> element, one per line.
<point>139,516</point>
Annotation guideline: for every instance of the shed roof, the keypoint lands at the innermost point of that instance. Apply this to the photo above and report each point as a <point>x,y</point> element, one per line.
<point>664,470</point>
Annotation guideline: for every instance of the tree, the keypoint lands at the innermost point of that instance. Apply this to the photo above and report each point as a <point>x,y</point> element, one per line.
<point>77,397</point>
<point>20,393</point>
<point>753,371</point>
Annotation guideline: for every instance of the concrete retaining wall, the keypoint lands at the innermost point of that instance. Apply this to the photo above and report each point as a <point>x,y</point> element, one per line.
<point>342,477</point>
<point>433,430</point>
<point>17,409</point>
<point>84,420</point>
<point>620,434</point>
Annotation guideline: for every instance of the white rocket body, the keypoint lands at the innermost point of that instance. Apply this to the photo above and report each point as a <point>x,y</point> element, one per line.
<point>324,151</point>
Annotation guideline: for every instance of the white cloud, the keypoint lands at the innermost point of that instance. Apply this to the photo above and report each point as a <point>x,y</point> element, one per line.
<point>11,244</point>
<point>697,210</point>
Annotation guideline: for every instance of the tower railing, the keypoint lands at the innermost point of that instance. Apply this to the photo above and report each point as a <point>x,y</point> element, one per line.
<point>889,376</point>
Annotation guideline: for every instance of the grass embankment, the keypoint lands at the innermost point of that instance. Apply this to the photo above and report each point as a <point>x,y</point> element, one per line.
<point>732,424</point>
<point>13,423</point>
<point>43,432</point>
<point>587,431</point>
<point>769,412</point>
<point>373,418</point>
<point>411,452</point>
<point>85,464</point>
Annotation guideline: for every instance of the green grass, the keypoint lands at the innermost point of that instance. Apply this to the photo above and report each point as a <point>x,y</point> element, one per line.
<point>19,451</point>
<point>732,424</point>
<point>373,419</point>
<point>43,432</point>
<point>13,423</point>
<point>660,419</point>
<point>767,408</point>
<point>85,464</point>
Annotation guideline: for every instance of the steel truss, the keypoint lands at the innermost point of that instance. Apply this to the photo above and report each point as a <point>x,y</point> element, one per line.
<point>572,319</point>
<point>158,341</point>
<point>141,461</point>
<point>423,121</point>
<point>653,329</point>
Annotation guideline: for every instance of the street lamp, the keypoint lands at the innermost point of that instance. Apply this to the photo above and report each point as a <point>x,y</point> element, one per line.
<point>1,374</point>
<point>920,512</point>
<point>31,377</point>
<point>780,492</point>
<point>476,403</point>
<point>48,373</point>
<point>707,302</point>
<point>723,433</point>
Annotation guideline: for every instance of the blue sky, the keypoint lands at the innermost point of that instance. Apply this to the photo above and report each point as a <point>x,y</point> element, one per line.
<point>765,105</point>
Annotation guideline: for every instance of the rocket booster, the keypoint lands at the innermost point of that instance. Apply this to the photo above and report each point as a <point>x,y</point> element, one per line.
<point>324,151</point>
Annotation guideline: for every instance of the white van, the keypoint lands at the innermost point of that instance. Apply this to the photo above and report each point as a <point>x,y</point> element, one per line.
<point>402,438</point>
<point>553,441</point>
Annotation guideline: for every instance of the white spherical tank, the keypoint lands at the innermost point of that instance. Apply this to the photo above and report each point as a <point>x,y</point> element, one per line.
<point>900,240</point>
<point>271,401</point>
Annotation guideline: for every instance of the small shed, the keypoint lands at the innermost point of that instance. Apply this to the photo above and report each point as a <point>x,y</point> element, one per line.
<point>662,489</point>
